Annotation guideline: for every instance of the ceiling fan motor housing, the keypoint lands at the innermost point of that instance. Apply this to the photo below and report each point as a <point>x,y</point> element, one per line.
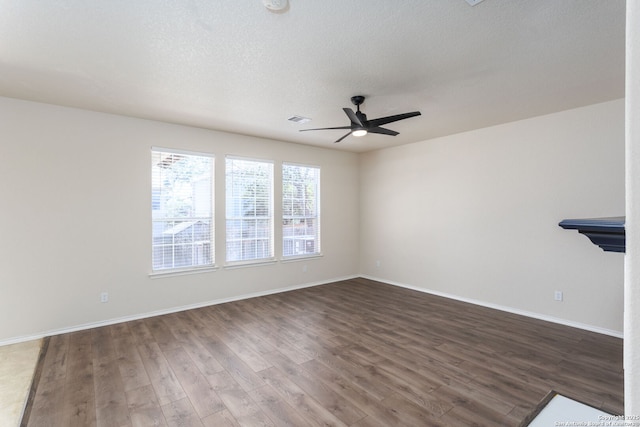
<point>363,118</point>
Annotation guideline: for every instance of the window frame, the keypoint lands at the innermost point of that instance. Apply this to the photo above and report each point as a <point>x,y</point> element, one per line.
<point>270,218</point>
<point>210,231</point>
<point>316,215</point>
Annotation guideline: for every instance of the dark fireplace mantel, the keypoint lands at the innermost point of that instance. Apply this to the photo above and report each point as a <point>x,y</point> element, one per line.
<point>608,233</point>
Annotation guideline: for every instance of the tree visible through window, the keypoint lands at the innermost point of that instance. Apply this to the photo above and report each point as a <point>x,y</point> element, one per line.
<point>300,203</point>
<point>182,210</point>
<point>249,210</point>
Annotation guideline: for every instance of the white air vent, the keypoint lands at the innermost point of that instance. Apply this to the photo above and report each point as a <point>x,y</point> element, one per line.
<point>473,2</point>
<point>299,119</point>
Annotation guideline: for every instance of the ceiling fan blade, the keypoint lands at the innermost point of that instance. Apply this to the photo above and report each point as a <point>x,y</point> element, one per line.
<point>339,127</point>
<point>389,119</point>
<point>353,117</point>
<point>343,138</point>
<point>383,131</point>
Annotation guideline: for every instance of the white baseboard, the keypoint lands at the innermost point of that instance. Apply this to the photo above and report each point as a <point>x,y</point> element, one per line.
<point>604,331</point>
<point>170,310</point>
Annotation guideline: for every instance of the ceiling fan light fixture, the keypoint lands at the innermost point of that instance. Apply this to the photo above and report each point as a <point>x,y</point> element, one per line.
<point>359,132</point>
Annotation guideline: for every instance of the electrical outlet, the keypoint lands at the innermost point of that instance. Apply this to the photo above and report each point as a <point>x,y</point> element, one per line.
<point>557,295</point>
<point>378,264</point>
<point>304,268</point>
<point>104,297</point>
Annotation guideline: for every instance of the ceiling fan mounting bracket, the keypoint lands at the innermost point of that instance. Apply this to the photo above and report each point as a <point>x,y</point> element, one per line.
<point>357,100</point>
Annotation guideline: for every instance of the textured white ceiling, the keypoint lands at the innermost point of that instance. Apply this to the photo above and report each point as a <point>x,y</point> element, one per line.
<point>236,66</point>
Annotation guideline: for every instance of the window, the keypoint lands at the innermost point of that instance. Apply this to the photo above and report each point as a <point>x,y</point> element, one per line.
<point>249,210</point>
<point>182,210</point>
<point>300,210</point>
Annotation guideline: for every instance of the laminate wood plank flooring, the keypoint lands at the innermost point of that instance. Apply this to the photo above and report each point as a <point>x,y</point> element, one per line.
<point>351,353</point>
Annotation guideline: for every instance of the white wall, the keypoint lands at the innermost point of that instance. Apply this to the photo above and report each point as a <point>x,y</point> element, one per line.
<point>472,215</point>
<point>475,215</point>
<point>75,218</point>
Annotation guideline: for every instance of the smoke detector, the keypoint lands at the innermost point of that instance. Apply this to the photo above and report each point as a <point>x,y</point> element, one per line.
<point>275,4</point>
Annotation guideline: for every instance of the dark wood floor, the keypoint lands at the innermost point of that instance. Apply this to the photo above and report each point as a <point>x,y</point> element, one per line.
<point>354,353</point>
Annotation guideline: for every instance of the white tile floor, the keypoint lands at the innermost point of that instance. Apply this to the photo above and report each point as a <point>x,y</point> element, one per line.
<point>562,411</point>
<point>17,366</point>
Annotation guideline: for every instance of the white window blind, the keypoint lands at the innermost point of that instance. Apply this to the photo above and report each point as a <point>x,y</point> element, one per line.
<point>182,210</point>
<point>249,210</point>
<point>300,210</point>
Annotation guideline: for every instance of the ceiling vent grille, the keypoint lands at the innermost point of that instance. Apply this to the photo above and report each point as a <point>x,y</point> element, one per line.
<point>299,119</point>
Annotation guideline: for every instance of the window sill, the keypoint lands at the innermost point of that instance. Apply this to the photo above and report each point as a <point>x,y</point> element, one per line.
<point>244,264</point>
<point>296,258</point>
<point>181,272</point>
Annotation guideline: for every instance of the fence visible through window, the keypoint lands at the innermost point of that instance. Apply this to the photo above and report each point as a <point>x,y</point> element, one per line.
<point>182,210</point>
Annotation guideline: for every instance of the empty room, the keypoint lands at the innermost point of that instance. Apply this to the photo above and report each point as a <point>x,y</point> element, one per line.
<point>292,213</point>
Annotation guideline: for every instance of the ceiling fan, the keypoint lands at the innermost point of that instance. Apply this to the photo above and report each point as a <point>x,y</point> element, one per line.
<point>360,126</point>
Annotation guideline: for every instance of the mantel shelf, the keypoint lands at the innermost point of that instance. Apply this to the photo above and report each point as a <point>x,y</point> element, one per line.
<point>608,233</point>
